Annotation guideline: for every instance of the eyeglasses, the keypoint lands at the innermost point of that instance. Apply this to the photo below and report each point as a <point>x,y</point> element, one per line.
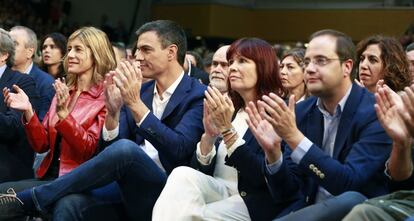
<point>319,61</point>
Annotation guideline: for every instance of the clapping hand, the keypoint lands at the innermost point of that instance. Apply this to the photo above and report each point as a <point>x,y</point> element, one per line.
<point>264,133</point>
<point>282,117</point>
<point>221,108</point>
<point>388,114</point>
<point>407,114</point>
<point>113,97</point>
<point>128,78</point>
<point>62,98</point>
<point>18,100</point>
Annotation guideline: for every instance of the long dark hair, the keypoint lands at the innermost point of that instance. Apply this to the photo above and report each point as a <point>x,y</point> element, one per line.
<point>60,41</point>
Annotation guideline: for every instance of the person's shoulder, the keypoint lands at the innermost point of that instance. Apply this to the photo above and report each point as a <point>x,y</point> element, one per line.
<point>19,76</point>
<point>197,87</point>
<point>45,77</point>
<point>305,106</point>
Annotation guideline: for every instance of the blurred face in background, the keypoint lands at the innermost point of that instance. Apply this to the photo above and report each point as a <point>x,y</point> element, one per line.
<point>220,70</point>
<point>371,67</point>
<point>23,55</point>
<point>51,54</point>
<point>292,73</point>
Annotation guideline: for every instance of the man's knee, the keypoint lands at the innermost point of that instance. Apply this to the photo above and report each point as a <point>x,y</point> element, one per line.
<point>124,149</point>
<point>351,198</point>
<point>183,174</point>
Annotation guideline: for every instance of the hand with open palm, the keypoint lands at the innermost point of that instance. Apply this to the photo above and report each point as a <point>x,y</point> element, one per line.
<point>18,101</point>
<point>264,133</point>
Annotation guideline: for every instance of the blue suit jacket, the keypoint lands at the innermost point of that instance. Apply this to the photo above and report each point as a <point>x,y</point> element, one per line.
<point>248,160</point>
<point>174,136</point>
<point>16,155</point>
<point>360,151</point>
<point>44,85</point>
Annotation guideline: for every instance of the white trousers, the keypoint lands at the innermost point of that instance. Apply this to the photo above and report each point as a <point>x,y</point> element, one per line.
<point>192,195</point>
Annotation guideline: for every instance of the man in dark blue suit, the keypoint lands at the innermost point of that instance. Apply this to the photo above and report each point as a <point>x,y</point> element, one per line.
<point>26,47</point>
<point>156,130</point>
<point>16,156</point>
<point>334,142</point>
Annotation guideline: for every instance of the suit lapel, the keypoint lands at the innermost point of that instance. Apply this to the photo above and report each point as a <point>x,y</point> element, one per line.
<point>315,126</point>
<point>347,116</point>
<point>178,95</point>
<point>147,95</point>
<point>248,136</point>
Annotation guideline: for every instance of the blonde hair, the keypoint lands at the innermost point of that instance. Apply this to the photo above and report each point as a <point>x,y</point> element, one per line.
<point>103,54</point>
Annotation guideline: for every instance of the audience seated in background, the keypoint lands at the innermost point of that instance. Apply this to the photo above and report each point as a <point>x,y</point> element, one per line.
<point>194,68</point>
<point>156,131</point>
<point>207,62</point>
<point>120,52</point>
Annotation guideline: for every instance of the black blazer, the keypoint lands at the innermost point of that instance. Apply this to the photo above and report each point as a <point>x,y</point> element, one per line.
<point>16,155</point>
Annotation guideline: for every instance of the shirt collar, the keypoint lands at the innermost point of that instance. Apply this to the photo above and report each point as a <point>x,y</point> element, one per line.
<point>2,70</point>
<point>339,107</point>
<point>170,90</point>
<point>29,69</point>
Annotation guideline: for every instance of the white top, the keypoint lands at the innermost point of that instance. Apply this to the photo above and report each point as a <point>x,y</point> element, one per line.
<point>222,172</point>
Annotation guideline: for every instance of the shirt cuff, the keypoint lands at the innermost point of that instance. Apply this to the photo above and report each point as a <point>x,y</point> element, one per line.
<point>109,135</point>
<point>300,151</point>
<point>205,159</point>
<point>274,167</point>
<point>143,118</point>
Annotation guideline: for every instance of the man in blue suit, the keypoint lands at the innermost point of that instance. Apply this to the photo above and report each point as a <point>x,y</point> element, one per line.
<point>334,142</point>
<point>26,47</point>
<point>156,130</point>
<point>16,156</point>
